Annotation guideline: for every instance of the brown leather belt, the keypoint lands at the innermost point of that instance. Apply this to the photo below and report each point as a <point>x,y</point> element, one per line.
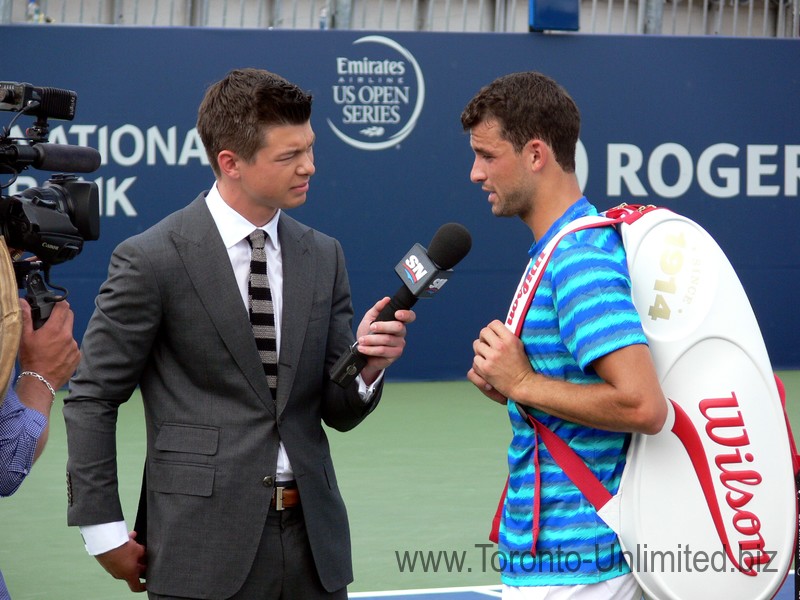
<point>285,497</point>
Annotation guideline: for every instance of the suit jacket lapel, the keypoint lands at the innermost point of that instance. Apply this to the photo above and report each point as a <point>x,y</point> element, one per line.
<point>298,293</point>
<point>200,247</point>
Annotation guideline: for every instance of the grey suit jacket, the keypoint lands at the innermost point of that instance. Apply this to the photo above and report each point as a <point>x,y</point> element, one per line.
<point>170,319</point>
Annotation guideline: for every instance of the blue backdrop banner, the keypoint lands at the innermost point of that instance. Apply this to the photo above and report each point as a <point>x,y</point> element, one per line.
<point>706,126</point>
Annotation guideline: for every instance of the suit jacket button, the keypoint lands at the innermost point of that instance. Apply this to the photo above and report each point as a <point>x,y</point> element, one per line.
<point>268,481</point>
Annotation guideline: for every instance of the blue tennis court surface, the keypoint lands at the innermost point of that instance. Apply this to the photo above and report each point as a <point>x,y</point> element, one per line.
<point>484,592</point>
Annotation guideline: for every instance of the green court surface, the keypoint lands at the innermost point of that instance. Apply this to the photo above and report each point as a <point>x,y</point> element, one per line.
<point>421,478</point>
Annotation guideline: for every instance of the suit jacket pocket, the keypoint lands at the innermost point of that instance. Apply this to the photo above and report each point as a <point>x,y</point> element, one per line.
<point>192,439</point>
<point>180,478</point>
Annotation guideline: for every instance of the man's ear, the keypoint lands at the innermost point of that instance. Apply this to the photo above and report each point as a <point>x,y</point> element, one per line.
<point>537,153</point>
<point>228,163</point>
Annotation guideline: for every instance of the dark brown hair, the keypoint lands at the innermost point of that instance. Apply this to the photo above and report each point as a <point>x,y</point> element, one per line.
<point>527,106</point>
<point>236,110</point>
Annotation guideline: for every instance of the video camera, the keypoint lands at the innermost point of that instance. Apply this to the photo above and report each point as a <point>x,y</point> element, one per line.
<point>51,222</point>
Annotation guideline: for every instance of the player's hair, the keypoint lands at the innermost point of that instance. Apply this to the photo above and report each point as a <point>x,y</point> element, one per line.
<point>527,106</point>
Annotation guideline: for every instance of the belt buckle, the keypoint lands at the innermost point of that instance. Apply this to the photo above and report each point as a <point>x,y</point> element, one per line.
<point>279,498</point>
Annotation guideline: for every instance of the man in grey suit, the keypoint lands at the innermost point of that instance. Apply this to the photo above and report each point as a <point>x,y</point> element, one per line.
<point>240,492</point>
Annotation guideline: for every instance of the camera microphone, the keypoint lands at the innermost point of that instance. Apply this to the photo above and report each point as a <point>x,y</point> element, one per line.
<point>53,157</point>
<point>55,103</point>
<point>423,274</point>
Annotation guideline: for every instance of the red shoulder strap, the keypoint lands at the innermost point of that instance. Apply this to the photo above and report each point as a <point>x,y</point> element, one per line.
<point>569,462</point>
<point>796,466</point>
<point>494,534</point>
<point>792,445</point>
<point>572,465</point>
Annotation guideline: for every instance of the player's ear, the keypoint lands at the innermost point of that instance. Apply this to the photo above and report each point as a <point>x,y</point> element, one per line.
<point>536,154</point>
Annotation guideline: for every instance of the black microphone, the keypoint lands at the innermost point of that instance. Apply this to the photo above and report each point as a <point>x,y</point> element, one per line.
<point>423,273</point>
<point>56,157</point>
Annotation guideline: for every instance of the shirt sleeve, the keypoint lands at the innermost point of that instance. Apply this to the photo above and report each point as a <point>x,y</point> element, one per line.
<point>104,537</point>
<point>593,296</point>
<point>20,429</point>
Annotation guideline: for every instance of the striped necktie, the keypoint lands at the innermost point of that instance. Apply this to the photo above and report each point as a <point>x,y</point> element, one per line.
<point>262,315</point>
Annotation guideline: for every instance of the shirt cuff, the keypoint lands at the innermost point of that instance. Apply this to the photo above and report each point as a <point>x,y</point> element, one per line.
<point>104,537</point>
<point>365,391</point>
<point>36,424</point>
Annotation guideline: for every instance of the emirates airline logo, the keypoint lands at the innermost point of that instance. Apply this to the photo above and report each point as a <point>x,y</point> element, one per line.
<point>378,94</point>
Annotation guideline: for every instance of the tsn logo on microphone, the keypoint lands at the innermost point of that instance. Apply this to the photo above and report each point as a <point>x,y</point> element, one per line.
<point>420,274</point>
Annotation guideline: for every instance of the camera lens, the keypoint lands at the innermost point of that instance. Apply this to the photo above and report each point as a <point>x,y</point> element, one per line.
<point>82,204</point>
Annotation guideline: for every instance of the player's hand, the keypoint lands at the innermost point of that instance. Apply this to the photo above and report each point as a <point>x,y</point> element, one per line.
<point>500,361</point>
<point>485,387</point>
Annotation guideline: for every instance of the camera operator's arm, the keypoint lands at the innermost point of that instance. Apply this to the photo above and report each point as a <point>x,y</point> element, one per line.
<point>48,357</point>
<point>20,430</point>
<point>50,353</point>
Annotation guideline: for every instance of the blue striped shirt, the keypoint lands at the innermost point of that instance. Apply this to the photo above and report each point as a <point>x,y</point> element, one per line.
<point>582,310</point>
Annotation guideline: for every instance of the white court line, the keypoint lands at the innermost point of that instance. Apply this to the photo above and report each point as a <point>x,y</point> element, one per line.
<point>486,590</point>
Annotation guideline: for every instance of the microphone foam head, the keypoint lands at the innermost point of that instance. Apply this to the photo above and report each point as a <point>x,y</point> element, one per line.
<point>449,245</point>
